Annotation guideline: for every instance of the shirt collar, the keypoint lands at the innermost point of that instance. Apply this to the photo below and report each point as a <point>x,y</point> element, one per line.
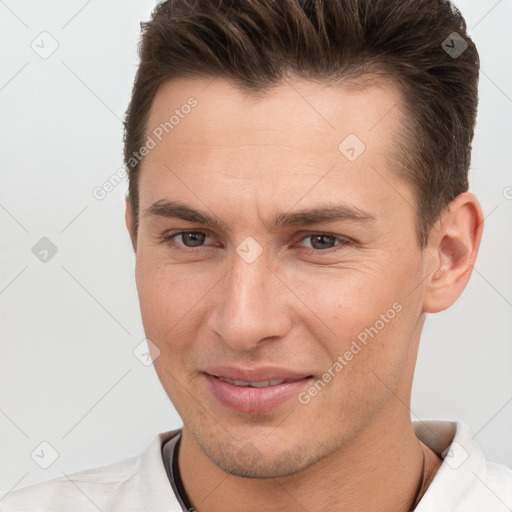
<point>463,463</point>
<point>156,491</point>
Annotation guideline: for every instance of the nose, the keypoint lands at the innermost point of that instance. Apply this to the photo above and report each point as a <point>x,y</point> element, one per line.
<point>250,306</point>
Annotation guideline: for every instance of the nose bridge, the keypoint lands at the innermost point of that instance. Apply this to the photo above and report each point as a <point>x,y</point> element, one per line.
<point>250,306</point>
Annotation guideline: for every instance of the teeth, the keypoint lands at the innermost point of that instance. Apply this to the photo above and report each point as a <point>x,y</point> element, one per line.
<point>260,384</point>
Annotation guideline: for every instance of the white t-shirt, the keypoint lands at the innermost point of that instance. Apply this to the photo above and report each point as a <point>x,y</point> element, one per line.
<point>465,482</point>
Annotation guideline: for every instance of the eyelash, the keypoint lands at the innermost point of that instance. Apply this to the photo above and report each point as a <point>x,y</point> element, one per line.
<point>168,239</point>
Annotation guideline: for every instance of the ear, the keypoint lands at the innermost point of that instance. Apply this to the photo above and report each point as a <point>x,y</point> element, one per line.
<point>129,221</point>
<point>455,245</point>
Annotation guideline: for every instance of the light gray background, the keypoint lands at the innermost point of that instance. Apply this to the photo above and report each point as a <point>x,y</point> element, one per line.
<point>68,327</point>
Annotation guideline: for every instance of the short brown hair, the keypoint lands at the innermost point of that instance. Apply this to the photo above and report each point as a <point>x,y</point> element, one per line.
<point>256,43</point>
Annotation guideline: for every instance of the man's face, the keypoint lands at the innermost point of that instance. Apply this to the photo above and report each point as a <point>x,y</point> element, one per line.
<point>286,299</point>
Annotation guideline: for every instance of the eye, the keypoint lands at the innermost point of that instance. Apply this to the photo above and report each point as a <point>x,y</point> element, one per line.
<point>188,239</point>
<point>324,242</point>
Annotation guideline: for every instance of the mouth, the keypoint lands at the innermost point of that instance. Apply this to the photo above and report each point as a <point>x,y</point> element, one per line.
<point>259,384</point>
<point>261,391</point>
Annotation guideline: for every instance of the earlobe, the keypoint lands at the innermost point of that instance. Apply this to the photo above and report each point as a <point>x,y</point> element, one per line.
<point>456,243</point>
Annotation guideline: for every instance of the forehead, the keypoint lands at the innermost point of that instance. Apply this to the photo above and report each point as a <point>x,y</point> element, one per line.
<point>284,141</point>
<point>296,112</point>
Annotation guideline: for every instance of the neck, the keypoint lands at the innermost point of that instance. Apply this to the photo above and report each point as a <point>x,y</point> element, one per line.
<point>380,469</point>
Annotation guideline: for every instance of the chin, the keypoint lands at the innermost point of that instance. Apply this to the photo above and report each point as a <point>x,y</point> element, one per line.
<point>253,459</point>
<point>266,466</point>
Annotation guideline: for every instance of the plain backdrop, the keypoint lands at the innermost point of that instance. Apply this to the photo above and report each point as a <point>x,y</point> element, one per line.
<point>69,326</point>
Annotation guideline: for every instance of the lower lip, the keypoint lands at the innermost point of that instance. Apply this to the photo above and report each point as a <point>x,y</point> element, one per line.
<point>252,400</point>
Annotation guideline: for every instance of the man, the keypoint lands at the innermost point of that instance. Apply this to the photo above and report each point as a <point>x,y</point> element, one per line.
<point>298,202</point>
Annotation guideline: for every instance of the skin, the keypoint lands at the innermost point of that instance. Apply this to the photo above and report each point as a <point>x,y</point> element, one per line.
<point>302,302</point>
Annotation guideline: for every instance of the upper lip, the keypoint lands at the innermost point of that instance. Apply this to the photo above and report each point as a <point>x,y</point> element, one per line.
<point>262,373</point>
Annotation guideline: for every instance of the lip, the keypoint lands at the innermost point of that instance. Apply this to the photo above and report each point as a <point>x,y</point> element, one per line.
<point>255,374</point>
<point>252,400</point>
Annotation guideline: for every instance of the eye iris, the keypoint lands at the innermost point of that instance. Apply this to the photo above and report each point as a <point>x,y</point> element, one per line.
<point>196,238</point>
<point>321,237</point>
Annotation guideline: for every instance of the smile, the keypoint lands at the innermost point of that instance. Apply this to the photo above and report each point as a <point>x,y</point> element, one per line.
<point>254,396</point>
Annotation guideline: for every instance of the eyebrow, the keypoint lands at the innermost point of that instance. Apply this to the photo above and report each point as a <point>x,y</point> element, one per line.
<point>330,212</point>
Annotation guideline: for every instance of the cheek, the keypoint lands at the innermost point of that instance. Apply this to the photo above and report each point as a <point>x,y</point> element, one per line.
<point>338,304</point>
<point>365,363</point>
<point>364,323</point>
<point>167,292</point>
<point>167,299</point>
